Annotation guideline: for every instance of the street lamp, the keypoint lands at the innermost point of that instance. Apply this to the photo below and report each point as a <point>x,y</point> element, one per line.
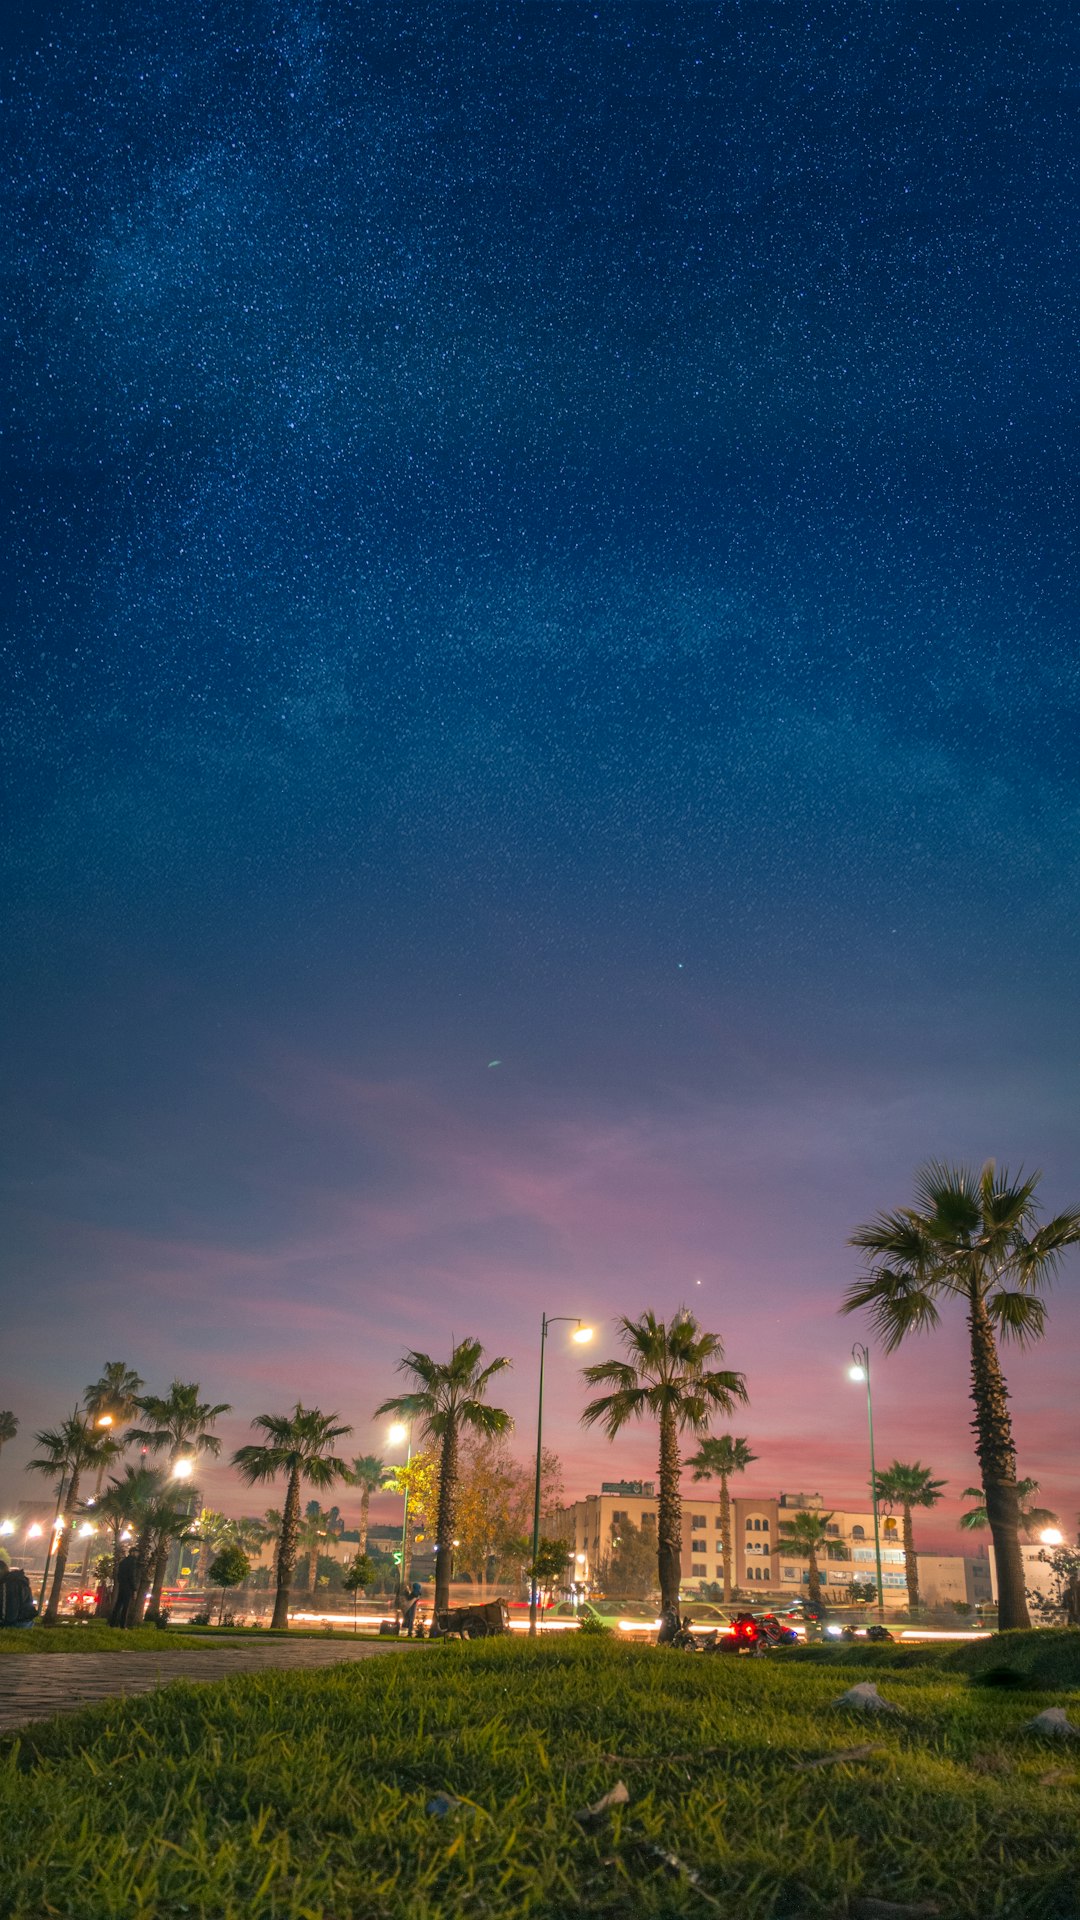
<point>1051,1536</point>
<point>183,1468</point>
<point>860,1370</point>
<point>581,1336</point>
<point>399,1434</point>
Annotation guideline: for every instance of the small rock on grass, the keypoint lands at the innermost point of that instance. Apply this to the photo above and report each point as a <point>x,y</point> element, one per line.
<point>1055,1722</point>
<point>619,1796</point>
<point>865,1698</point>
<point>441,1804</point>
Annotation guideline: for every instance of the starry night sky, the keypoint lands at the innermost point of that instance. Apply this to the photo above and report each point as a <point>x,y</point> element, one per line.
<point>540,533</point>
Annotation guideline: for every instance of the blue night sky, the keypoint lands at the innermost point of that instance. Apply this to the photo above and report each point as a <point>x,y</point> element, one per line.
<point>540,533</point>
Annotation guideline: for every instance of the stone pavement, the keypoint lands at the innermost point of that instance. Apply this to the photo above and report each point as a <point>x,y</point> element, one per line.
<point>34,1686</point>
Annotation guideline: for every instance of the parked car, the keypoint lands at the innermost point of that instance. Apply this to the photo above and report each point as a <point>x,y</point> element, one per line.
<point>706,1613</point>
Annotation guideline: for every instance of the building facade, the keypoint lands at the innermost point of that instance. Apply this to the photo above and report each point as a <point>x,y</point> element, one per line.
<point>762,1562</point>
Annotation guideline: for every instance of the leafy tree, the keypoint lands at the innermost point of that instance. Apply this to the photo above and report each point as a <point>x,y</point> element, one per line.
<point>1032,1519</point>
<point>449,1398</point>
<point>494,1509</point>
<point>908,1487</point>
<point>717,1458</point>
<point>804,1538</point>
<point>974,1238</point>
<point>360,1573</point>
<point>669,1375</point>
<point>548,1571</point>
<point>230,1568</point>
<point>629,1571</point>
<point>9,1426</point>
<point>67,1453</point>
<point>861,1590</point>
<point>368,1473</point>
<point>123,1506</point>
<point>299,1445</point>
<point>417,1479</point>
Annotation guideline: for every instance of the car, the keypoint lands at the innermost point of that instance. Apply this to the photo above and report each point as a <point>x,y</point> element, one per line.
<point>622,1616</point>
<point>706,1613</point>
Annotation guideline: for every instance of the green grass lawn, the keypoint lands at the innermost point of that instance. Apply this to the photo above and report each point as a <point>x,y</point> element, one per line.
<point>93,1636</point>
<point>304,1796</point>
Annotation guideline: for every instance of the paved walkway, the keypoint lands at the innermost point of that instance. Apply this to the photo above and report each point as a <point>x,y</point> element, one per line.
<point>34,1686</point>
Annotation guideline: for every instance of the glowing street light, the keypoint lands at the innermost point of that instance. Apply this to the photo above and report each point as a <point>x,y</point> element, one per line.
<point>398,1434</point>
<point>7,1526</point>
<point>183,1468</point>
<point>581,1335</point>
<point>860,1370</point>
<point>105,1420</point>
<point>35,1530</point>
<point>1051,1537</point>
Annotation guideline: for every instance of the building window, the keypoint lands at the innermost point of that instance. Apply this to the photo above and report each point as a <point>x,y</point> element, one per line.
<point>616,1517</point>
<point>647,1520</point>
<point>698,1520</point>
<point>832,1533</point>
<point>858,1533</point>
<point>698,1571</point>
<point>716,1519</point>
<point>791,1573</point>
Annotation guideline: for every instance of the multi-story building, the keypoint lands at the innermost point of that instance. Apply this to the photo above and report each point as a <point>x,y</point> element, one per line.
<point>760,1558</point>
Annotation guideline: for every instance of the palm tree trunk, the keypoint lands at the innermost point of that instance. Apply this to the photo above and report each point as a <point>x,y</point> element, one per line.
<point>911,1564</point>
<point>992,1426</point>
<point>814,1579</point>
<point>286,1553</point>
<point>725,1534</point>
<point>444,1520</point>
<point>59,1569</point>
<point>669,1517</point>
<point>142,1574</point>
<point>362,1530</point>
<point>313,1567</point>
<point>161,1561</point>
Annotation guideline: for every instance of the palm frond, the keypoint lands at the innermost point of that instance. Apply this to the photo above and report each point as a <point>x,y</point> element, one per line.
<point>613,1410</point>
<point>1018,1317</point>
<point>897,1304</point>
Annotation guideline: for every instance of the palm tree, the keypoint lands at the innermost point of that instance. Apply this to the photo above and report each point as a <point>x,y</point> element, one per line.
<point>447,1398</point>
<point>908,1487</point>
<point>803,1537</point>
<point>368,1473</point>
<point>124,1504</point>
<point>668,1374</point>
<point>164,1523</point>
<point>301,1446</point>
<point>68,1451</point>
<point>1032,1519</point>
<point>717,1458</point>
<point>181,1422</point>
<point>111,1403</point>
<point>975,1238</point>
<point>9,1426</point>
<point>113,1399</point>
<point>318,1526</point>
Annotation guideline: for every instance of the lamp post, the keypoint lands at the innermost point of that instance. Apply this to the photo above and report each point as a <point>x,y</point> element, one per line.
<point>581,1335</point>
<point>399,1432</point>
<point>860,1370</point>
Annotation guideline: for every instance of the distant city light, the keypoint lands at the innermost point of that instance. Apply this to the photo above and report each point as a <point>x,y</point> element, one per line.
<point>7,1526</point>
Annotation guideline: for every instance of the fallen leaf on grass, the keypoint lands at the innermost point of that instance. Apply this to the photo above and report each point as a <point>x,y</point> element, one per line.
<point>865,1698</point>
<point>591,1816</point>
<point>837,1759</point>
<point>674,1865</point>
<point>1057,1777</point>
<point>892,1910</point>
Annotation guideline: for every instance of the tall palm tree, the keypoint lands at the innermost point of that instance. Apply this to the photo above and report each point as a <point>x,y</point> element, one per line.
<point>449,1397</point>
<point>975,1238</point>
<point>124,1504</point>
<point>301,1446</point>
<point>318,1527</point>
<point>9,1426</point>
<point>717,1458</point>
<point>181,1423</point>
<point>668,1375</point>
<point>804,1537</point>
<point>1032,1519</point>
<point>165,1521</point>
<point>908,1487</point>
<point>369,1474</point>
<point>111,1403</point>
<point>67,1453</point>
